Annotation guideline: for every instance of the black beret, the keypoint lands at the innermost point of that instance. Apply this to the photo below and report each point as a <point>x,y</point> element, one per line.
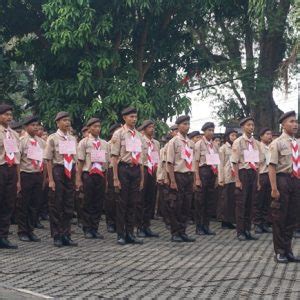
<point>228,131</point>
<point>30,119</point>
<point>61,114</point>
<point>113,127</point>
<point>174,127</point>
<point>84,129</point>
<point>146,123</point>
<point>182,119</point>
<point>128,111</point>
<point>208,125</point>
<point>264,130</point>
<point>15,125</point>
<point>286,115</point>
<point>193,134</point>
<point>4,108</point>
<point>92,121</point>
<point>217,136</point>
<point>243,121</point>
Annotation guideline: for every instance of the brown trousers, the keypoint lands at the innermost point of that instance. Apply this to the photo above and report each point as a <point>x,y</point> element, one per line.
<point>130,179</point>
<point>244,199</point>
<point>179,202</point>
<point>226,203</point>
<point>285,212</point>
<point>94,194</point>
<point>110,200</point>
<point>144,207</point>
<point>8,195</point>
<point>163,192</point>
<point>28,203</point>
<point>262,202</point>
<point>205,196</point>
<point>61,204</point>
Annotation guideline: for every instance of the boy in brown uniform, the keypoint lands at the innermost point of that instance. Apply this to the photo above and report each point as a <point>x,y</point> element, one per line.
<point>128,172</point>
<point>207,160</point>
<point>60,154</point>
<point>262,201</point>
<point>31,175</point>
<point>284,174</point>
<point>245,158</point>
<point>93,158</point>
<point>148,197</point>
<point>181,168</point>
<point>9,183</point>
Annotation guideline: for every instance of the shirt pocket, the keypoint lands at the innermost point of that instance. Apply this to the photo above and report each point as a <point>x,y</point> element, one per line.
<point>285,152</point>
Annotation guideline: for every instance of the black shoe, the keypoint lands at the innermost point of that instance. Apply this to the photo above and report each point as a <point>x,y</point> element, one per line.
<point>249,236</point>
<point>187,238</point>
<point>121,240</point>
<point>67,241</point>
<point>242,237</point>
<point>280,258</point>
<point>57,241</point>
<point>266,228</point>
<point>200,230</point>
<point>6,244</point>
<point>292,258</point>
<point>141,233</point>
<point>97,235</point>
<point>208,231</point>
<point>227,225</point>
<point>24,237</point>
<point>296,234</point>
<point>33,237</point>
<point>258,229</point>
<point>44,217</point>
<point>39,225</point>
<point>177,239</point>
<point>111,228</point>
<point>150,233</point>
<point>168,227</point>
<point>88,235</point>
<point>131,239</point>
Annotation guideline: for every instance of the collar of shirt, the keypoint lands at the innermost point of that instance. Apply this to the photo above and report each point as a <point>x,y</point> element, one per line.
<point>60,133</point>
<point>148,140</point>
<point>228,145</point>
<point>250,140</point>
<point>265,146</point>
<point>287,136</point>
<point>127,129</point>
<point>3,129</point>
<point>181,137</point>
<point>206,141</point>
<point>91,137</point>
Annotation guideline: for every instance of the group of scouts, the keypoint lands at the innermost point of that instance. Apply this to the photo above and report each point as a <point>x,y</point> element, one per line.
<point>132,175</point>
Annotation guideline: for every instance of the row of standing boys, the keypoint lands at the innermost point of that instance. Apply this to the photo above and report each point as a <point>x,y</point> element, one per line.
<point>187,179</point>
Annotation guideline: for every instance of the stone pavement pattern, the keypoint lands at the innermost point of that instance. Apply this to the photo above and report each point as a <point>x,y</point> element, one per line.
<point>214,267</point>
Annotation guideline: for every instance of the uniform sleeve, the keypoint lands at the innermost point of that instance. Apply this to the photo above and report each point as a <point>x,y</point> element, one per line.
<point>171,152</point>
<point>235,155</point>
<point>81,150</point>
<point>221,175</point>
<point>49,150</point>
<point>274,153</point>
<point>115,144</point>
<point>197,151</point>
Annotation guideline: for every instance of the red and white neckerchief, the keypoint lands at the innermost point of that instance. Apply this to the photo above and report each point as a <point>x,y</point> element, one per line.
<point>251,148</point>
<point>231,164</point>
<point>150,163</point>
<point>295,158</point>
<point>135,156</point>
<point>210,148</point>
<point>97,167</point>
<point>36,164</point>
<point>9,157</point>
<point>187,153</point>
<point>68,158</point>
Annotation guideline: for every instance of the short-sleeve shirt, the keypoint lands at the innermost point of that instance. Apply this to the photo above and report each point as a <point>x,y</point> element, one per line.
<point>201,149</point>
<point>265,154</point>
<point>26,164</point>
<point>281,153</point>
<point>156,147</point>
<point>161,168</point>
<point>174,153</point>
<point>225,168</point>
<point>15,136</point>
<point>52,148</point>
<point>85,148</point>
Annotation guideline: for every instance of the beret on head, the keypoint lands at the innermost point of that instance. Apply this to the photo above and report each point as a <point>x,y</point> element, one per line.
<point>182,119</point>
<point>61,114</point>
<point>263,131</point>
<point>113,127</point>
<point>146,123</point>
<point>128,111</point>
<point>243,121</point>
<point>286,115</point>
<point>15,125</point>
<point>92,121</point>
<point>174,127</point>
<point>30,119</point>
<point>4,108</point>
<point>208,125</point>
<point>84,129</point>
<point>228,131</point>
<point>193,134</point>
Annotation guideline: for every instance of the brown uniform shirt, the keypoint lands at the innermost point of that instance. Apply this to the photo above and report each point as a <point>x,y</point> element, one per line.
<point>201,149</point>
<point>225,167</point>
<point>238,147</point>
<point>281,153</point>
<point>265,154</point>
<point>161,168</point>
<point>14,135</point>
<point>174,153</point>
<point>52,148</point>
<point>118,145</point>
<point>85,148</point>
<point>156,147</point>
<point>26,163</point>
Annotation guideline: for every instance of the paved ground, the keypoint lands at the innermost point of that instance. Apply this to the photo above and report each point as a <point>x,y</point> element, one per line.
<point>212,268</point>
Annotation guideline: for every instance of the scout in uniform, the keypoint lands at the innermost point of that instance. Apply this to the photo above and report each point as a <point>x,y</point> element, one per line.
<point>128,175</point>
<point>9,186</point>
<point>245,158</point>
<point>180,167</point>
<point>284,174</point>
<point>261,208</point>
<point>194,136</point>
<point>226,179</point>
<point>111,196</point>
<point>207,160</point>
<point>31,175</point>
<point>60,154</point>
<point>93,158</point>
<point>147,201</point>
